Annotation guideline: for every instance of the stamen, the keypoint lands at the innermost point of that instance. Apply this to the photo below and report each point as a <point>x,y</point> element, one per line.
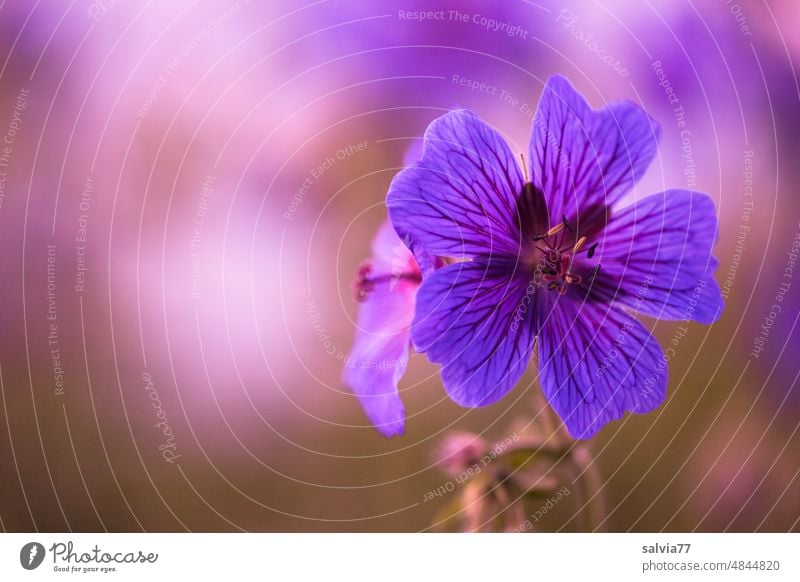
<point>363,283</point>
<point>367,280</point>
<point>558,258</point>
<point>556,229</point>
<point>524,167</point>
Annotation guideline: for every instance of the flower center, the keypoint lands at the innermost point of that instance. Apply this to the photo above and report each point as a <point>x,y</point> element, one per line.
<point>554,257</point>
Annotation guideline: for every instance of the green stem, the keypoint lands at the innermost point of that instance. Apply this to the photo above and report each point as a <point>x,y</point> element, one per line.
<point>592,484</point>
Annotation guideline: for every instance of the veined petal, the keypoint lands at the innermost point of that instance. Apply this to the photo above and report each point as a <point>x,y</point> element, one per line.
<point>460,199</point>
<point>596,362</point>
<point>477,319</point>
<point>584,160</point>
<point>656,259</point>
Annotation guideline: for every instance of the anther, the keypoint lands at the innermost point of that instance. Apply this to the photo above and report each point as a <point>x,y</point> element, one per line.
<point>556,229</point>
<point>578,245</point>
<point>592,249</point>
<point>363,283</point>
<point>567,224</point>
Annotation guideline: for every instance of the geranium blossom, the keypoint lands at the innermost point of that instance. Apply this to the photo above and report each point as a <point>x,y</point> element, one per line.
<point>543,250</point>
<point>386,286</point>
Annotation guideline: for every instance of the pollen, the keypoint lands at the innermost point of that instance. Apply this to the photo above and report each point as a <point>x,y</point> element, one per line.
<point>556,263</point>
<point>556,229</point>
<point>363,283</point>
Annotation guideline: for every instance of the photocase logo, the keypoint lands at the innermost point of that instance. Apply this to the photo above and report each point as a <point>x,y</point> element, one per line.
<point>31,555</point>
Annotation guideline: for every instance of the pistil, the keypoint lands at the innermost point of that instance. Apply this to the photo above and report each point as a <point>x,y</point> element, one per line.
<point>365,282</point>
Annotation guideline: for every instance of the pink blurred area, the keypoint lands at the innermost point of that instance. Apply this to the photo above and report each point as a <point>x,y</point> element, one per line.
<point>191,186</point>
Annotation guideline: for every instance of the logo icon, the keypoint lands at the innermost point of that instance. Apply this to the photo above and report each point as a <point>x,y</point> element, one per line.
<point>31,555</point>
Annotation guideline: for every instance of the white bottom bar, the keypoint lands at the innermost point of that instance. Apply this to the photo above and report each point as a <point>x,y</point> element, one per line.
<point>390,557</point>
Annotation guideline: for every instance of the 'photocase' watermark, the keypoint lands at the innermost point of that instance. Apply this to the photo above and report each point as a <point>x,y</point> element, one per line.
<point>168,448</point>
<point>569,20</point>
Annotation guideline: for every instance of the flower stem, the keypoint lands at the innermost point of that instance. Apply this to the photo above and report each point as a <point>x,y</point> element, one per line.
<point>592,484</point>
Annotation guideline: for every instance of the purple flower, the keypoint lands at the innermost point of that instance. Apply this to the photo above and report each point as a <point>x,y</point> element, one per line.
<point>554,258</point>
<point>386,286</point>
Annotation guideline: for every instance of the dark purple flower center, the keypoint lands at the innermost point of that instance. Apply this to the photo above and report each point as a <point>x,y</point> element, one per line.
<point>555,259</point>
<point>557,254</point>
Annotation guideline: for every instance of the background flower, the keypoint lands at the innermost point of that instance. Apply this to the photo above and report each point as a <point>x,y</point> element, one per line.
<point>386,286</point>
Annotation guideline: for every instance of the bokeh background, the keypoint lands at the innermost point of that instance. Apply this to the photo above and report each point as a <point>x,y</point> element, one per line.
<point>187,188</point>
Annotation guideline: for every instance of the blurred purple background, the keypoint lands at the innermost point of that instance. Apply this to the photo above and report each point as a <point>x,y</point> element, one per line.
<point>187,188</point>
